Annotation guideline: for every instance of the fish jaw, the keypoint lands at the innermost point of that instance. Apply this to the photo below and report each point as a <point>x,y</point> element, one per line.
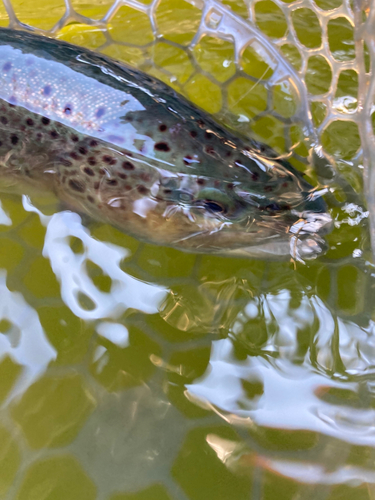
<point>280,246</point>
<point>298,250</point>
<point>298,244</point>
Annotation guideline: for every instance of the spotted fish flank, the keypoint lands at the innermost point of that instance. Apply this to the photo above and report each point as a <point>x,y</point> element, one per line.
<point>126,149</point>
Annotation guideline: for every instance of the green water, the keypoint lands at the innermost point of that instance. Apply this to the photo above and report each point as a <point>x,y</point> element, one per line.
<point>134,372</point>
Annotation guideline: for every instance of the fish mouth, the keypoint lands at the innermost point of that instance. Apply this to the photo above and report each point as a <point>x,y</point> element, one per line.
<point>303,241</point>
<point>306,240</point>
<point>269,238</point>
<point>295,233</point>
<point>299,249</point>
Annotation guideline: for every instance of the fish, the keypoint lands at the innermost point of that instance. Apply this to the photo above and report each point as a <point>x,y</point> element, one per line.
<point>124,148</point>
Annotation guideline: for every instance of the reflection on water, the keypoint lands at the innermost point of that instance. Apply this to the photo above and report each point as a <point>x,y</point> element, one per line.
<point>159,375</point>
<point>22,340</point>
<point>274,392</point>
<point>78,291</point>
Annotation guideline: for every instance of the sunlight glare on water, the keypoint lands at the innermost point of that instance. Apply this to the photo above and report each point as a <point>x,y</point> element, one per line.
<point>135,372</point>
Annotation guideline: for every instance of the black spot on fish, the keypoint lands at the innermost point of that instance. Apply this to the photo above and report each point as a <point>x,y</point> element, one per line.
<point>127,187</point>
<point>45,120</point>
<point>100,112</point>
<point>208,135</point>
<point>91,199</point>
<point>54,134</point>
<point>229,153</point>
<point>7,66</point>
<point>188,159</point>
<point>167,191</point>
<point>162,146</point>
<point>201,182</point>
<point>96,185</point>
<point>162,127</point>
<point>142,189</point>
<point>91,161</point>
<point>74,155</point>
<point>1,144</point>
<point>111,182</point>
<point>47,90</point>
<point>82,150</point>
<point>254,176</point>
<point>210,150</point>
<point>89,171</point>
<point>268,189</point>
<point>109,159</point>
<point>75,138</point>
<point>284,185</point>
<point>4,120</point>
<point>77,185</point>
<point>230,185</point>
<point>14,140</point>
<point>193,133</point>
<point>93,143</point>
<point>127,165</point>
<point>30,122</point>
<point>123,176</point>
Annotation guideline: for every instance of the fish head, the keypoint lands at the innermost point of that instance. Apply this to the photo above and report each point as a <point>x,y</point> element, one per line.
<point>267,211</point>
<point>228,198</point>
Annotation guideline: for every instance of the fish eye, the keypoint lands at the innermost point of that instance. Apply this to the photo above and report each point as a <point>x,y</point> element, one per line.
<point>214,206</point>
<point>215,200</point>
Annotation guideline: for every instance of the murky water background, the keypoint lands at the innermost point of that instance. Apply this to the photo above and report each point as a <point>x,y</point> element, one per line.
<point>134,372</point>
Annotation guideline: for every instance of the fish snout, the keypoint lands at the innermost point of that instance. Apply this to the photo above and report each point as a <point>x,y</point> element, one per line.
<point>306,240</point>
<point>311,223</point>
<point>307,248</point>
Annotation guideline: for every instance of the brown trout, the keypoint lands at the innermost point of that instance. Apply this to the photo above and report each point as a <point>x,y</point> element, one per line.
<point>126,149</point>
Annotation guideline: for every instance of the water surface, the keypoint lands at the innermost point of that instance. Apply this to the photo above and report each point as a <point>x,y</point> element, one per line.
<point>135,372</point>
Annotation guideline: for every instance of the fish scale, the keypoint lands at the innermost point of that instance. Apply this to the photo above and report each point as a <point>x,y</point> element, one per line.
<point>124,148</point>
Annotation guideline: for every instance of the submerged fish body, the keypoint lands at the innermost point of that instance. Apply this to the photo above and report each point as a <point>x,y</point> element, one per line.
<point>124,148</point>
